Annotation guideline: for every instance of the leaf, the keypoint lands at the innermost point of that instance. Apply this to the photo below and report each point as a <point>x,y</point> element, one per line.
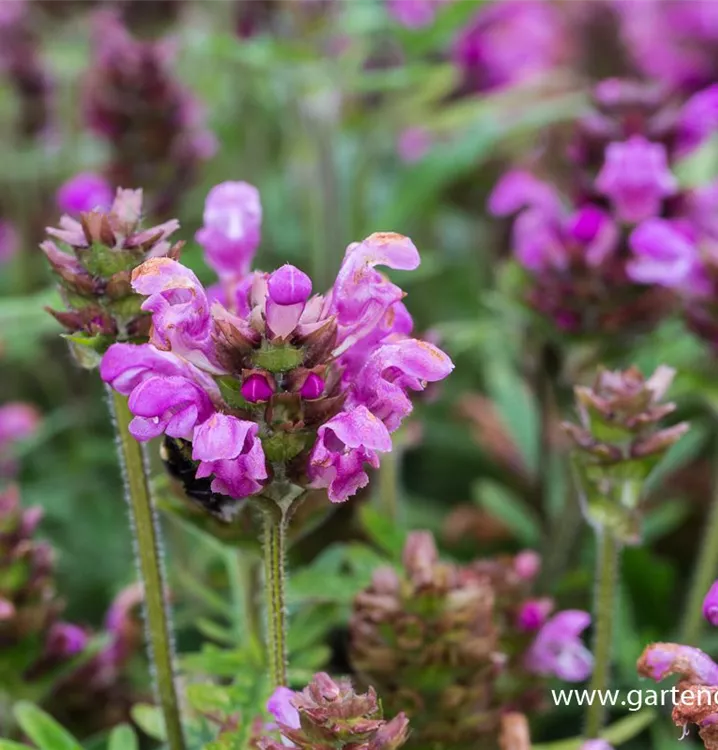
<point>506,507</point>
<point>42,729</point>
<point>207,698</point>
<point>382,530</point>
<point>149,719</point>
<point>122,737</point>
<point>10,745</point>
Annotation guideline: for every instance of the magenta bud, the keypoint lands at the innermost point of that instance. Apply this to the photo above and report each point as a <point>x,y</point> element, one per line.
<point>710,605</point>
<point>256,388</point>
<point>289,286</point>
<point>313,387</point>
<point>527,564</point>
<point>533,614</point>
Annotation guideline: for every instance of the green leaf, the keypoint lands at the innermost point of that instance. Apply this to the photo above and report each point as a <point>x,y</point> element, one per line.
<point>382,531</point>
<point>499,502</point>
<point>42,729</point>
<point>10,745</point>
<point>122,737</point>
<point>207,698</point>
<point>149,719</point>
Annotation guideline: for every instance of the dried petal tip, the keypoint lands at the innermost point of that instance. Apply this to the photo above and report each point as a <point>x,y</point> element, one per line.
<point>710,605</point>
<point>289,286</point>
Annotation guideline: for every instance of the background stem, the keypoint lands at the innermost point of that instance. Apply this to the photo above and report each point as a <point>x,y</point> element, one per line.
<point>274,590</point>
<point>706,571</point>
<point>243,571</point>
<point>147,549</point>
<point>604,615</point>
<point>389,483</point>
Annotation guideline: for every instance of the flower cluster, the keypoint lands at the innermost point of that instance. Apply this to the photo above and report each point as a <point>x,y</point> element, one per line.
<point>277,383</point>
<point>600,259</point>
<point>18,421</point>
<point>95,279</point>
<point>329,715</point>
<point>30,625</point>
<point>21,62</point>
<point>155,126</point>
<point>618,442</point>
<point>453,646</point>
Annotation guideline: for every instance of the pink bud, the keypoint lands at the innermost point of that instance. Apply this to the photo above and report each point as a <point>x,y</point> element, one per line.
<point>289,286</point>
<point>527,564</point>
<point>256,388</point>
<point>710,605</point>
<point>533,614</point>
<point>313,387</point>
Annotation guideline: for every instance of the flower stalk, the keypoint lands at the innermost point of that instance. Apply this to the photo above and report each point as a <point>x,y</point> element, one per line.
<point>607,562</point>
<point>148,552</point>
<point>274,528</point>
<point>705,573</point>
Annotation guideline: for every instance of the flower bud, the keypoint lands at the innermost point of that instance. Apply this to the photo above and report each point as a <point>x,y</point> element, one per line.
<point>710,605</point>
<point>256,388</point>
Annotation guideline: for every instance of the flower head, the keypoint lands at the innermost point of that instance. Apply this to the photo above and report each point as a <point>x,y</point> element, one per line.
<point>332,714</point>
<point>278,379</point>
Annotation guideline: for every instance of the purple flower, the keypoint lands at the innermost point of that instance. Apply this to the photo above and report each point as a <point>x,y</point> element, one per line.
<point>65,639</point>
<point>167,405</point>
<point>230,449</point>
<point>596,745</point>
<point>698,120</point>
<point>662,254</point>
<point>659,660</point>
<point>710,605</point>
<point>533,614</point>
<point>413,13</point>
<point>344,444</point>
<point>281,706</point>
<point>519,189</point>
<point>413,144</point>
<point>558,649</point>
<point>232,225</point>
<point>510,42</point>
<point>85,192</point>
<point>9,241</point>
<point>288,290</point>
<point>636,178</point>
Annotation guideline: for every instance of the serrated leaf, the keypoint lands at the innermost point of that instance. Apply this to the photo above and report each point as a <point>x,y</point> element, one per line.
<point>149,719</point>
<point>42,729</point>
<point>499,502</point>
<point>122,737</point>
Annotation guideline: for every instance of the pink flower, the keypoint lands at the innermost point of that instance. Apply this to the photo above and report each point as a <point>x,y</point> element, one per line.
<point>9,241</point>
<point>533,614</point>
<point>519,189</point>
<point>636,178</point>
<point>659,660</point>
<point>281,706</point>
<point>662,254</point>
<point>85,192</point>
<point>558,649</point>
<point>232,225</point>
<point>18,422</point>
<point>710,605</point>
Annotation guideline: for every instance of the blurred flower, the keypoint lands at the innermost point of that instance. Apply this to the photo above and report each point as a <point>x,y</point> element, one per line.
<point>232,228</point>
<point>710,605</point>
<point>596,745</point>
<point>9,241</point>
<point>413,144</point>
<point>413,14</point>
<point>324,377</point>
<point>155,127</point>
<point>454,646</point>
<point>331,714</point>
<point>510,42</point>
<point>83,193</point>
<point>95,278</point>
<point>18,422</point>
<point>558,649</point>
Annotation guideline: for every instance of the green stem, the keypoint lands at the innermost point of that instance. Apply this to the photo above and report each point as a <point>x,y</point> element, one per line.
<point>604,615</point>
<point>147,548</point>
<point>274,528</point>
<point>706,571</point>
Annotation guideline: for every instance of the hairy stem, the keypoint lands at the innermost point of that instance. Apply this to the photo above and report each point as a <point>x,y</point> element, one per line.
<point>274,528</point>
<point>706,571</point>
<point>604,615</point>
<point>149,562</point>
